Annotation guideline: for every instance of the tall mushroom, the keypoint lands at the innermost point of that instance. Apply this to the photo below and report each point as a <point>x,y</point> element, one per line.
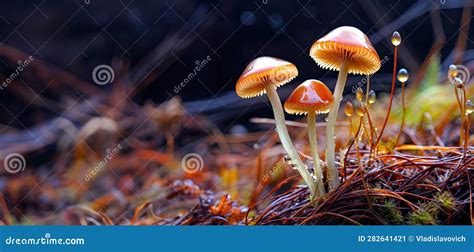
<point>347,50</point>
<point>265,75</point>
<point>311,97</point>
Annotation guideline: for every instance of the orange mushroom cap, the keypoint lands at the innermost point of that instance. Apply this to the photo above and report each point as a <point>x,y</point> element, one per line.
<point>262,72</point>
<point>346,43</point>
<point>311,95</point>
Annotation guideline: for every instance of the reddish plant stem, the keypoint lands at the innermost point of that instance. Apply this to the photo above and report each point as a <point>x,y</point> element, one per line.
<point>391,97</point>
<point>465,118</point>
<point>371,126</point>
<point>460,109</point>
<point>347,152</point>
<point>403,115</point>
<point>372,130</point>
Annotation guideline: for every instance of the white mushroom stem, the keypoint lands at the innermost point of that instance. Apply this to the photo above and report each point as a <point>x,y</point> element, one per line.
<point>286,140</point>
<point>313,142</point>
<point>333,178</point>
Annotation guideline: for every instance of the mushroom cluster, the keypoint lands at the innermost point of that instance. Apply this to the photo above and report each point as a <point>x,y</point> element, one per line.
<point>345,49</point>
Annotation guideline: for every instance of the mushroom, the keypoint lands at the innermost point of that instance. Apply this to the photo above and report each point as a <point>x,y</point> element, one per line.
<point>311,97</point>
<point>265,75</point>
<point>348,50</point>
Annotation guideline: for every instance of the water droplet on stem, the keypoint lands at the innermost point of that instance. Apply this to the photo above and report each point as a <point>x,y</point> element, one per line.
<point>348,109</point>
<point>372,97</point>
<point>360,109</point>
<point>469,107</point>
<point>359,94</point>
<point>403,75</point>
<point>396,38</point>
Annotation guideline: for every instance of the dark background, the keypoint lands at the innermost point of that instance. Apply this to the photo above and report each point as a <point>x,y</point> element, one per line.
<point>154,45</point>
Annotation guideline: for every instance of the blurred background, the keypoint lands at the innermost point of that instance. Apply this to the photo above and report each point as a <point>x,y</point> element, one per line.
<point>153,46</point>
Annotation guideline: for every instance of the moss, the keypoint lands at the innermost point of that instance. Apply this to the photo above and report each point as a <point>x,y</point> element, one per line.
<point>445,201</point>
<point>421,217</point>
<point>433,212</point>
<point>391,214</point>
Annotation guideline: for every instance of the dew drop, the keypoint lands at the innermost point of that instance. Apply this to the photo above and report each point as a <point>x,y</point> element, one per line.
<point>403,75</point>
<point>469,107</point>
<point>396,38</point>
<point>453,71</point>
<point>348,109</point>
<point>255,146</point>
<point>458,82</point>
<point>326,119</point>
<point>360,109</point>
<point>372,97</point>
<point>287,159</point>
<point>359,94</point>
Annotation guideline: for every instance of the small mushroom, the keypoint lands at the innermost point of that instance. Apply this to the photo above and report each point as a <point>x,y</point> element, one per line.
<point>265,75</point>
<point>311,97</point>
<point>347,50</point>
